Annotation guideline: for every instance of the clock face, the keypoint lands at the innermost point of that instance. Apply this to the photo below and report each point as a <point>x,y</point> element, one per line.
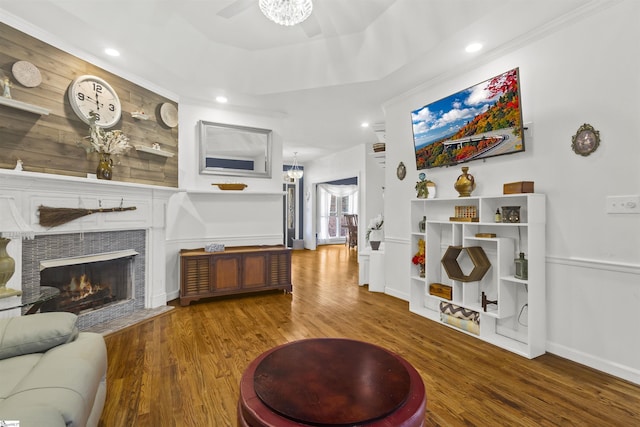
<point>90,94</point>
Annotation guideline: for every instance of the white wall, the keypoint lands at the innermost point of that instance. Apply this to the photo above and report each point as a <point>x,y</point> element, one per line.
<point>585,73</point>
<point>202,213</point>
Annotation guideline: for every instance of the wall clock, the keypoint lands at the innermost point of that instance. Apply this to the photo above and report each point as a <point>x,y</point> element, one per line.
<point>92,94</point>
<point>586,140</point>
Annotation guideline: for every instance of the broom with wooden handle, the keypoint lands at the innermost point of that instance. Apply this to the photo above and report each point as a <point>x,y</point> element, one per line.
<point>52,217</point>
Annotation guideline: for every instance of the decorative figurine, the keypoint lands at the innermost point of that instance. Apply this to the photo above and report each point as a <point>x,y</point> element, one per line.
<point>6,88</point>
<point>18,165</point>
<point>421,187</point>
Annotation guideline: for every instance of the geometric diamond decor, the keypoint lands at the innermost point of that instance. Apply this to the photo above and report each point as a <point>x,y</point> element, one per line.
<point>478,257</point>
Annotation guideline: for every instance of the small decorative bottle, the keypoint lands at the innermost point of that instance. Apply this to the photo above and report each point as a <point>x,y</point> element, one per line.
<point>522,267</point>
<point>498,216</point>
<point>422,225</point>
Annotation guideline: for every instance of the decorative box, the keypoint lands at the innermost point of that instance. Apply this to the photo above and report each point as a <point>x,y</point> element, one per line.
<point>510,213</point>
<point>465,214</point>
<point>518,187</point>
<point>214,247</point>
<point>440,290</point>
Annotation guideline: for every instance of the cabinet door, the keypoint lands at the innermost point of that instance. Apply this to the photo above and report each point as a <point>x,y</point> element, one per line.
<point>226,272</point>
<point>195,275</point>
<point>280,269</point>
<point>254,270</point>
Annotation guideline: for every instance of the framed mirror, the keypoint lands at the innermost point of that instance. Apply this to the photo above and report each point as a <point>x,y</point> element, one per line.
<point>234,150</point>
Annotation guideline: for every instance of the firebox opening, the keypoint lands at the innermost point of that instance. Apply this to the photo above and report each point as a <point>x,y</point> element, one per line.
<point>88,282</point>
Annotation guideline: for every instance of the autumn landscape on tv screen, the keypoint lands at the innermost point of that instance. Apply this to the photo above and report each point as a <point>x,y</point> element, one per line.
<point>482,121</point>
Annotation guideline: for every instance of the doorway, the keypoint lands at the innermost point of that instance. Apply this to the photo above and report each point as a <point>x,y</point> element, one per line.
<point>336,199</point>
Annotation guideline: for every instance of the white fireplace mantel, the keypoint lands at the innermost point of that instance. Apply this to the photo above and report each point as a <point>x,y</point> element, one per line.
<point>32,189</point>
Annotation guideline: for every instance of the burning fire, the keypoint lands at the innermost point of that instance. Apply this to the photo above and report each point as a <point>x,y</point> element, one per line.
<point>81,288</point>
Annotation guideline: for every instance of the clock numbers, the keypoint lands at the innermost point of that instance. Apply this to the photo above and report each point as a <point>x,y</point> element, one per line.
<point>97,87</point>
<point>80,96</point>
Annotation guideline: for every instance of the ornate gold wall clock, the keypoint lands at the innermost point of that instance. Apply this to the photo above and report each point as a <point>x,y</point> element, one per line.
<point>586,140</point>
<point>92,94</point>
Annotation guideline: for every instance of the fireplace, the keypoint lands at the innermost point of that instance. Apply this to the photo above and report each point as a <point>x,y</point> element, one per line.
<point>52,251</point>
<point>142,230</point>
<point>88,282</point>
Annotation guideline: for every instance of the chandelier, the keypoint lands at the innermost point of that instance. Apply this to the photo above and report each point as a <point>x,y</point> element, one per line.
<point>295,172</point>
<point>286,12</point>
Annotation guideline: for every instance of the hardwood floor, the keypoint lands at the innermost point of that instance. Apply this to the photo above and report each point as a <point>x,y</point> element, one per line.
<point>183,368</point>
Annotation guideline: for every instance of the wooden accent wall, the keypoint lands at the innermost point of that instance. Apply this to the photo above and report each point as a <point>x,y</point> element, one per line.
<point>48,143</point>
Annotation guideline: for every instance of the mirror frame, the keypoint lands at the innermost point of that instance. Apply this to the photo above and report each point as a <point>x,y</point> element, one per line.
<point>204,169</point>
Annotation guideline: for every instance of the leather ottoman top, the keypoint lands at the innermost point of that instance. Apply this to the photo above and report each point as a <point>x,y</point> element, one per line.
<point>332,381</point>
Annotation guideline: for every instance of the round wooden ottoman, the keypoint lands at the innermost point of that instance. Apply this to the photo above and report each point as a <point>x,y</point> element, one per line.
<point>331,381</point>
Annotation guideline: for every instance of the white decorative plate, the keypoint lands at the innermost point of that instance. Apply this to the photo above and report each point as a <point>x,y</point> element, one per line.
<point>26,74</point>
<point>169,114</point>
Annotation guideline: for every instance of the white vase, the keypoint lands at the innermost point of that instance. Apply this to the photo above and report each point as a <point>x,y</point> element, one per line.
<point>375,237</point>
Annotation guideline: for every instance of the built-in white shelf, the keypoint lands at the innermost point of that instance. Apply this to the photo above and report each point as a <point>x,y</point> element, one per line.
<point>515,317</point>
<point>155,151</point>
<point>380,157</point>
<point>19,105</point>
<point>233,192</point>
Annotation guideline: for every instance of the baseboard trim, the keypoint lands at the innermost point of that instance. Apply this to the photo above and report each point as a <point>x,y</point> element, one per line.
<point>615,369</point>
<point>396,293</point>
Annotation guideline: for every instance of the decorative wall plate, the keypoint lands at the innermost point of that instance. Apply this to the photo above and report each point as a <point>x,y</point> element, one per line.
<point>586,140</point>
<point>401,171</point>
<point>169,114</point>
<point>26,74</point>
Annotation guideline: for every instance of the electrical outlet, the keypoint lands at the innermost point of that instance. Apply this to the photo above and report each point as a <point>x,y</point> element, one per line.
<point>623,204</point>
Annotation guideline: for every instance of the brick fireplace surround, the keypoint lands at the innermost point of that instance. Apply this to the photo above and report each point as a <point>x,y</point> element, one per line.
<point>142,230</point>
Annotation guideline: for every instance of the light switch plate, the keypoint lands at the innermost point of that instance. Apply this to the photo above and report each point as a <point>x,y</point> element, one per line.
<point>623,204</point>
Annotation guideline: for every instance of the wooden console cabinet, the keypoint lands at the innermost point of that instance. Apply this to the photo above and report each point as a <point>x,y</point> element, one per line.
<point>236,270</point>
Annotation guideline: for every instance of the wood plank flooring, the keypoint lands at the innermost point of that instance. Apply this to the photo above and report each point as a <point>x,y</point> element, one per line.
<point>183,368</point>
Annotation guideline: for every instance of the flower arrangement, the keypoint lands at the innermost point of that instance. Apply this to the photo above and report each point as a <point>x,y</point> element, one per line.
<point>419,257</point>
<point>111,142</point>
<point>375,224</point>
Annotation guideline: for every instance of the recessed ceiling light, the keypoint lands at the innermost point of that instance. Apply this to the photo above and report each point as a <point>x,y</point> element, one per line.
<point>473,47</point>
<point>221,99</point>
<point>111,52</point>
<point>365,125</point>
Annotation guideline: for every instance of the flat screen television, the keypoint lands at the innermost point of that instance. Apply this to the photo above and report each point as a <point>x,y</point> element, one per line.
<point>482,121</point>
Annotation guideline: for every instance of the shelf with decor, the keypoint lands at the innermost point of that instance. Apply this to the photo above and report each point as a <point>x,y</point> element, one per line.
<point>24,106</point>
<point>155,151</point>
<point>140,115</point>
<point>475,280</point>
